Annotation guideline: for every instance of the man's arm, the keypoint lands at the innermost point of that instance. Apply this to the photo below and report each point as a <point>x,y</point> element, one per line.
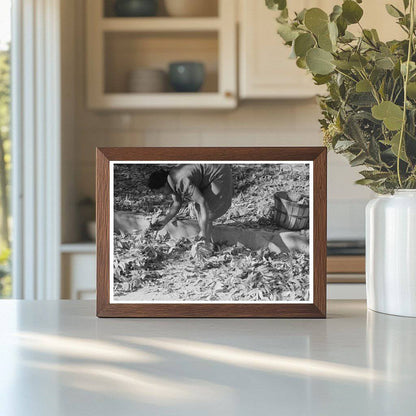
<point>173,210</point>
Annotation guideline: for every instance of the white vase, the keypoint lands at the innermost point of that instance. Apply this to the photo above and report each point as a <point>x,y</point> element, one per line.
<point>391,253</point>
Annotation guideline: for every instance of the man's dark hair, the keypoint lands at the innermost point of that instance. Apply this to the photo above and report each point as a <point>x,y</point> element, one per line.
<point>158,179</point>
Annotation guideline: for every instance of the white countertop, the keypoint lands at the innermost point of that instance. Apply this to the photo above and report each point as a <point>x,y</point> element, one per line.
<point>57,359</point>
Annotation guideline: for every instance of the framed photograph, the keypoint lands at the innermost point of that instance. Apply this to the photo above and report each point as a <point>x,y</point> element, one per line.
<point>211,232</point>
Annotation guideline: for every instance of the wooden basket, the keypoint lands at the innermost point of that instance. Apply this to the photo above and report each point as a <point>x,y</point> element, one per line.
<point>290,214</point>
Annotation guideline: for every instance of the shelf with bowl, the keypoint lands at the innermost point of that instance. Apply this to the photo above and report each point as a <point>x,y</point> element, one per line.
<point>118,47</point>
<point>170,8</point>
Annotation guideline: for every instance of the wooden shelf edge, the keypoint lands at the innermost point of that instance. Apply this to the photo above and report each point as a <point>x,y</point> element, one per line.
<point>125,101</point>
<point>80,247</point>
<point>159,24</point>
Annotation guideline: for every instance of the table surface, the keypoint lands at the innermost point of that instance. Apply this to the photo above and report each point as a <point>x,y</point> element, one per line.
<point>56,358</point>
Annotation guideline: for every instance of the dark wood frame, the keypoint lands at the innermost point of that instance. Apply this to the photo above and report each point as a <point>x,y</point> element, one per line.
<point>317,309</point>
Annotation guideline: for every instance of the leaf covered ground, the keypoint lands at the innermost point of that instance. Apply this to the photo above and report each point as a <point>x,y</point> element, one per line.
<point>153,267</point>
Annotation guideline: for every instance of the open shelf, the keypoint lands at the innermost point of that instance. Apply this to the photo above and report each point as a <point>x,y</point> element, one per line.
<point>127,51</point>
<point>116,46</point>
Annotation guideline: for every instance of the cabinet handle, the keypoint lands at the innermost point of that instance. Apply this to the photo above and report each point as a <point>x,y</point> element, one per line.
<point>228,94</point>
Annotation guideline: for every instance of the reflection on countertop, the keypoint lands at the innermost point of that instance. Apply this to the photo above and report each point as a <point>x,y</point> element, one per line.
<point>63,360</point>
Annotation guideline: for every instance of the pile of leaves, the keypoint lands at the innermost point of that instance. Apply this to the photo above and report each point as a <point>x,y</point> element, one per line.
<point>157,267</point>
<point>369,113</point>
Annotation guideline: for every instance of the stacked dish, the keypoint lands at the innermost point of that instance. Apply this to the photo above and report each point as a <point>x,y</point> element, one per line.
<point>147,80</point>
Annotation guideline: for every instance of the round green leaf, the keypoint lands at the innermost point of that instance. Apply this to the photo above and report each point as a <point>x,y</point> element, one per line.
<point>351,11</point>
<point>411,90</point>
<point>276,4</point>
<point>336,12</point>
<point>321,79</point>
<point>363,86</point>
<point>324,42</point>
<point>286,32</point>
<point>358,61</point>
<point>385,63</point>
<point>316,20</point>
<point>319,61</point>
<point>342,64</point>
<point>303,43</point>
<point>333,32</point>
<point>328,39</point>
<point>393,11</point>
<point>342,25</point>
<point>301,63</point>
<point>391,114</point>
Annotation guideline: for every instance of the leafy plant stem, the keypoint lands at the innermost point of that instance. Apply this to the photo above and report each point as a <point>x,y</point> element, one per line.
<point>406,80</point>
<point>373,90</point>
<point>345,75</point>
<point>369,41</point>
<point>398,95</point>
<point>392,90</point>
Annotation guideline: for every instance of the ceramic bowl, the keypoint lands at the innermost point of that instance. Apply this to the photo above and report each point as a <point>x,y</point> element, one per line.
<point>135,8</point>
<point>186,76</point>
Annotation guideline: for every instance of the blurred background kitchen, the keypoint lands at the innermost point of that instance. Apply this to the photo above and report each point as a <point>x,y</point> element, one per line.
<point>168,73</point>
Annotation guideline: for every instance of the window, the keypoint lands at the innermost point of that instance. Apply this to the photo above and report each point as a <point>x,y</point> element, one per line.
<point>5,144</point>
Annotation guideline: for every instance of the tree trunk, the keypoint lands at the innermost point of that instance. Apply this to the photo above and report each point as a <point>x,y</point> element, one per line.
<point>4,197</point>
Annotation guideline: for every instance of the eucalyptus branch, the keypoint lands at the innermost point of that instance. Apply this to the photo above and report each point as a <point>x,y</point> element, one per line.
<point>405,81</point>
<point>392,90</point>
<point>378,121</point>
<point>373,89</point>
<point>369,41</point>
<point>345,75</point>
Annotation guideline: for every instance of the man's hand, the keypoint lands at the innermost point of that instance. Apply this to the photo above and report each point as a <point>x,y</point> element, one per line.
<point>158,224</point>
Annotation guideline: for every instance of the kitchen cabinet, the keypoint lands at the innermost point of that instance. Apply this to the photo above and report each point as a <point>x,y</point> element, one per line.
<point>78,263</point>
<point>265,70</point>
<point>116,46</point>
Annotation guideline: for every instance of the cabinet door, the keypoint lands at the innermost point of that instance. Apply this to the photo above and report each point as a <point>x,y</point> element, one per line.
<point>265,68</point>
<point>78,276</point>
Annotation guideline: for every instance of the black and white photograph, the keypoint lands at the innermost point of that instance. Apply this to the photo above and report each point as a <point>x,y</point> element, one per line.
<point>211,232</point>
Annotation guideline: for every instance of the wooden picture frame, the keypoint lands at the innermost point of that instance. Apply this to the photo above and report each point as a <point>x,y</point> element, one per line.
<point>315,308</point>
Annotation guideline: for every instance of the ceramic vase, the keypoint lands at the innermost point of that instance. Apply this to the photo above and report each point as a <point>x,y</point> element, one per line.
<point>391,253</point>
